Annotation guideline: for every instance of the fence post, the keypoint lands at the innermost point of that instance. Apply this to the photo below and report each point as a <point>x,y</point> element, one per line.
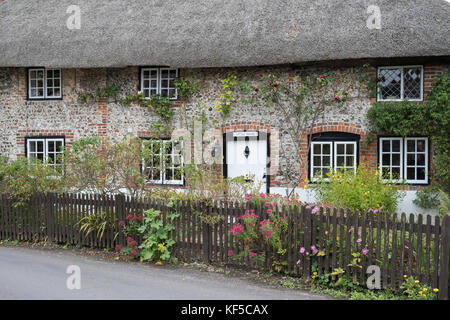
<point>120,215</point>
<point>445,259</point>
<point>206,235</point>
<point>49,217</point>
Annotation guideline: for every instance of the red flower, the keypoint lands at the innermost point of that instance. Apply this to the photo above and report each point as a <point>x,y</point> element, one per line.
<point>140,218</point>
<point>121,223</point>
<point>118,247</point>
<point>132,244</point>
<point>130,217</point>
<point>260,74</point>
<point>129,239</point>
<point>134,252</point>
<point>275,85</point>
<point>256,89</point>
<point>336,98</point>
<point>383,78</point>
<point>322,77</point>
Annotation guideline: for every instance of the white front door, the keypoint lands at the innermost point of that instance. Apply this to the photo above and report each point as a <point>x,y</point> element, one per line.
<point>246,155</point>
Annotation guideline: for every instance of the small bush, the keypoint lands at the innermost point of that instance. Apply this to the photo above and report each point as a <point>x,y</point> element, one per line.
<point>364,190</point>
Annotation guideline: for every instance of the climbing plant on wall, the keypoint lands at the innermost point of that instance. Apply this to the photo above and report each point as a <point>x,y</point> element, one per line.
<point>430,119</point>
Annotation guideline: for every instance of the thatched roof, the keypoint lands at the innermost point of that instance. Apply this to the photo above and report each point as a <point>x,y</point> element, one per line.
<point>217,33</point>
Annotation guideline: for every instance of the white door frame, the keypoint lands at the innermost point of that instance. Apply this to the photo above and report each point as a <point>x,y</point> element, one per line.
<point>225,165</point>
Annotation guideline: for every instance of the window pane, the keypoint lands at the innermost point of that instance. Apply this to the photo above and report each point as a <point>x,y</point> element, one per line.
<point>350,148</point>
<point>340,161</point>
<point>421,145</point>
<point>349,161</point>
<point>386,159</point>
<point>395,145</point>
<point>395,173</point>
<point>326,161</point>
<point>316,149</point>
<point>420,159</point>
<point>410,173</point>
<point>411,159</point>
<point>412,83</point>
<point>317,161</point>
<point>390,83</point>
<point>386,146</point>
<point>420,173</point>
<point>326,149</point>
<point>340,148</point>
<point>395,159</point>
<point>410,146</point>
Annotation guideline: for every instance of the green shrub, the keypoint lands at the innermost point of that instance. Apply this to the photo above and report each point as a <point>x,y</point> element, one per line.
<point>428,198</point>
<point>364,190</point>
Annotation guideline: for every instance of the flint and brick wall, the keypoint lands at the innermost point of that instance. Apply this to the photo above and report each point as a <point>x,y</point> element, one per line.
<point>20,118</point>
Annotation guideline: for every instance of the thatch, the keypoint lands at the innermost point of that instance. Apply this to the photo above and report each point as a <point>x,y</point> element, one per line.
<point>217,33</point>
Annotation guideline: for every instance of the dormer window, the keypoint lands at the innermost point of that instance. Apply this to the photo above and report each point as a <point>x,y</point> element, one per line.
<point>159,81</point>
<point>44,83</point>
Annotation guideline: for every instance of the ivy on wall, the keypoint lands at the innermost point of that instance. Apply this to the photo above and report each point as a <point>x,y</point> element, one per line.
<point>430,119</point>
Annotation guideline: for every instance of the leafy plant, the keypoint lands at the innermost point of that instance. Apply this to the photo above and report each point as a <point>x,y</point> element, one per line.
<point>364,190</point>
<point>156,242</point>
<point>97,223</point>
<point>428,198</point>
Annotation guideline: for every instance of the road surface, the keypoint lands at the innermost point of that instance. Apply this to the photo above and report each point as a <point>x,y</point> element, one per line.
<point>41,274</point>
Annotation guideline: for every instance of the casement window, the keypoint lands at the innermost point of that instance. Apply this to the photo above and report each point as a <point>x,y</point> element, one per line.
<point>44,83</point>
<point>331,156</point>
<point>404,159</point>
<point>160,81</point>
<point>400,83</point>
<point>164,162</point>
<point>48,150</point>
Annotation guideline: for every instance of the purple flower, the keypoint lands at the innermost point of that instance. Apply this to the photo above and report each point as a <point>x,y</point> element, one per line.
<point>302,250</point>
<point>359,240</point>
<point>364,251</point>
<point>315,210</point>
<point>314,249</point>
<point>351,230</point>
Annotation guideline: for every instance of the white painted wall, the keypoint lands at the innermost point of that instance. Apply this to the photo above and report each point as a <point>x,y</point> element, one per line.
<point>405,205</point>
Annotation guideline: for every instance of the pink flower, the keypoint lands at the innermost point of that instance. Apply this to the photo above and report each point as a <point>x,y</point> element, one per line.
<point>364,251</point>
<point>326,232</point>
<point>298,261</point>
<point>351,230</point>
<point>267,204</point>
<point>336,98</point>
<point>314,249</point>
<point>359,240</point>
<point>315,210</point>
<point>252,254</point>
<point>118,248</point>
<point>308,207</point>
<point>314,101</point>
<point>230,252</point>
<point>121,223</point>
<point>302,250</point>
<point>129,217</point>
<point>359,232</point>
<point>269,211</point>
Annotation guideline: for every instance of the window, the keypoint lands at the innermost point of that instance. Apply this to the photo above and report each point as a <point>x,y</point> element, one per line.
<point>159,81</point>
<point>164,162</point>
<point>328,156</point>
<point>404,159</point>
<point>48,150</point>
<point>400,83</point>
<point>44,83</point>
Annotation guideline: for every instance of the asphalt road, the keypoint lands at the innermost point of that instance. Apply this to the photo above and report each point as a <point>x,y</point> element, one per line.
<point>41,274</point>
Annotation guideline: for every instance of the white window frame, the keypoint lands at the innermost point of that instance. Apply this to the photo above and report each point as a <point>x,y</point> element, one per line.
<point>403,158</point>
<point>162,170</point>
<point>333,156</point>
<point>45,152</point>
<point>390,139</point>
<point>402,98</point>
<point>45,96</point>
<point>415,166</point>
<point>158,81</point>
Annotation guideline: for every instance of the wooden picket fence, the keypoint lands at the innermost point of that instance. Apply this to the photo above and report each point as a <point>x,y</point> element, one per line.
<point>313,242</point>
